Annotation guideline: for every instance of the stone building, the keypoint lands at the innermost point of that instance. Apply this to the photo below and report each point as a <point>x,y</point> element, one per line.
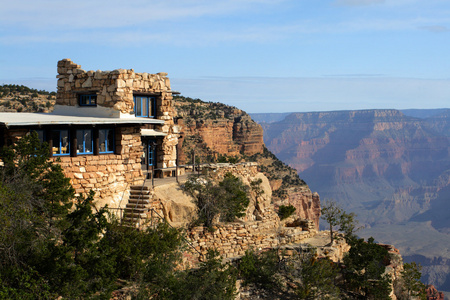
<point>108,130</point>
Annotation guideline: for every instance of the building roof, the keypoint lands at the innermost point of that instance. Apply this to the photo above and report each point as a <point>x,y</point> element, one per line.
<point>32,119</point>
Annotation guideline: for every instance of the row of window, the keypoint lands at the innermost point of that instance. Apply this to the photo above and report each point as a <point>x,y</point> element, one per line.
<point>85,141</point>
<point>144,106</point>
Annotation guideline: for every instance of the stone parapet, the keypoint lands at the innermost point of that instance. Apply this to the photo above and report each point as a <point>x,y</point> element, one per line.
<point>113,88</point>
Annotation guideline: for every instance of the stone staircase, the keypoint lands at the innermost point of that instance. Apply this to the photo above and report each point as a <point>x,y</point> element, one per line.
<point>138,205</point>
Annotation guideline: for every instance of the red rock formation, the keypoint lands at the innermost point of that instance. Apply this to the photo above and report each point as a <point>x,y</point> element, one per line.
<point>434,294</point>
<point>214,130</point>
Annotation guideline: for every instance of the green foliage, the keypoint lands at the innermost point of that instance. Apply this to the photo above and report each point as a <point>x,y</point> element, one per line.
<point>212,280</point>
<point>285,211</point>
<point>229,198</point>
<point>48,250</point>
<point>318,279</point>
<point>409,285</point>
<point>255,186</point>
<point>7,89</point>
<point>365,265</point>
<point>259,269</point>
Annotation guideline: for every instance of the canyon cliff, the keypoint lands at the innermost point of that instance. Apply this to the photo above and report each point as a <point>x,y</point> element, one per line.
<point>390,168</point>
<point>214,132</point>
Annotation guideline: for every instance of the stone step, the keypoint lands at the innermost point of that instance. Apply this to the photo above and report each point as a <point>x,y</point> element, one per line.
<point>136,206</point>
<point>139,196</point>
<point>139,192</point>
<point>139,187</point>
<point>139,201</point>
<point>135,214</point>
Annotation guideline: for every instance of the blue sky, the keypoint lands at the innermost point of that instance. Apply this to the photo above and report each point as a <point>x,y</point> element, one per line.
<point>258,55</point>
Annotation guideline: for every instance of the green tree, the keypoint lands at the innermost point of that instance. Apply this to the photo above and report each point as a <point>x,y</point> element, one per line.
<point>318,278</point>
<point>285,211</point>
<point>331,213</point>
<point>229,198</point>
<point>259,269</point>
<point>364,272</point>
<point>409,283</point>
<point>35,198</point>
<point>334,215</point>
<point>212,280</point>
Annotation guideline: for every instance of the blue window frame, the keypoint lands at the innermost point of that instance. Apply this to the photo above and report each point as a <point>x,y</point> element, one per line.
<point>144,106</point>
<point>61,142</point>
<point>106,140</point>
<point>151,152</point>
<point>87,100</point>
<point>85,143</point>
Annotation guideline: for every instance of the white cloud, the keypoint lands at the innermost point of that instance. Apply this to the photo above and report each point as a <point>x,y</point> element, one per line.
<point>114,13</point>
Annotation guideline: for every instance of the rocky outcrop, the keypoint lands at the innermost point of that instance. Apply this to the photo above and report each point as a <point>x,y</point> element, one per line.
<point>259,229</point>
<point>232,133</point>
<point>434,294</point>
<point>212,131</point>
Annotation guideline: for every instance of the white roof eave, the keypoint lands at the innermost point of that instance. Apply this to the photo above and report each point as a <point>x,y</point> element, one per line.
<point>33,119</point>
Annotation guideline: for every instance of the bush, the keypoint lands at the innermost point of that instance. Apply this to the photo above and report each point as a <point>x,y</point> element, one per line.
<point>259,269</point>
<point>229,198</point>
<point>285,211</point>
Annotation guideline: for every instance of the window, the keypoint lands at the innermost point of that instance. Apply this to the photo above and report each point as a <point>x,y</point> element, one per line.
<point>151,152</point>
<point>144,106</point>
<point>40,133</point>
<point>60,142</point>
<point>88,100</point>
<point>106,140</point>
<point>84,141</point>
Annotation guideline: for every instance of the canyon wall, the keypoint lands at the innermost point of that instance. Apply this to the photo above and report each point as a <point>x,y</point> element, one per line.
<point>389,168</point>
<point>214,131</point>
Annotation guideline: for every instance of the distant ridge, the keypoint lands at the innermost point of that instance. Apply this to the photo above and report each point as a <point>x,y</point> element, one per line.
<point>268,117</point>
<point>424,113</point>
<point>413,112</point>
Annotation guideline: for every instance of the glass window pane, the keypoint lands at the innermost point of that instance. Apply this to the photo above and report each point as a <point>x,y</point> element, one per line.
<point>87,141</point>
<point>84,141</point>
<point>80,147</point>
<point>56,141</point>
<point>144,106</point>
<point>102,139</point>
<point>151,103</point>
<point>110,139</point>
<point>64,138</point>
<point>138,106</point>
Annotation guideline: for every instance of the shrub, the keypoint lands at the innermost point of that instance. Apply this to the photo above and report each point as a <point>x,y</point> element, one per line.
<point>285,211</point>
<point>259,269</point>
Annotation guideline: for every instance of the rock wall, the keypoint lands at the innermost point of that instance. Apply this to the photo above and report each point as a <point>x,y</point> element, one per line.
<point>223,129</point>
<point>115,90</point>
<point>306,203</point>
<point>259,229</point>
<point>108,175</point>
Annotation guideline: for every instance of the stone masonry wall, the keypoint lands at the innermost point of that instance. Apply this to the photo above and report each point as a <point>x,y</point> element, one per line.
<point>108,175</point>
<point>114,90</point>
<point>261,228</point>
